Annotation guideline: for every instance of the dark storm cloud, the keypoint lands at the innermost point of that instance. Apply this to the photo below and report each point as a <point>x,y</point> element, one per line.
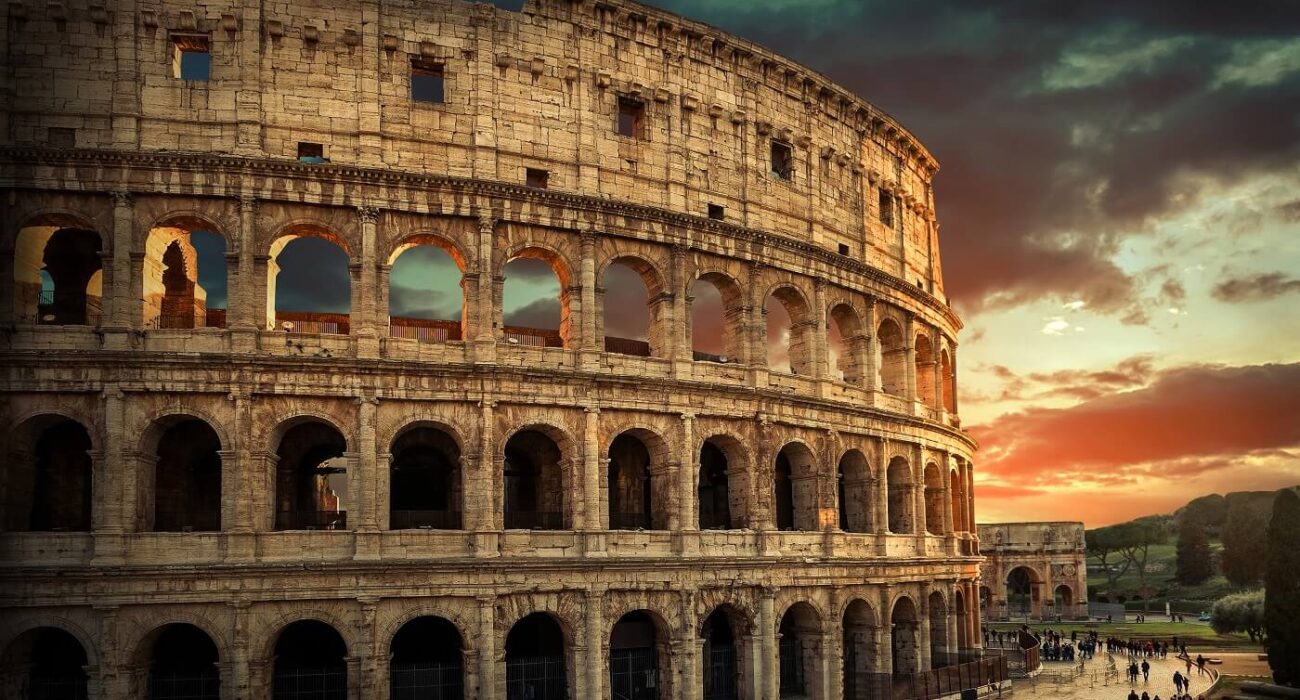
<point>1062,128</point>
<point>542,313</point>
<point>313,277</point>
<point>417,302</point>
<point>1259,288</point>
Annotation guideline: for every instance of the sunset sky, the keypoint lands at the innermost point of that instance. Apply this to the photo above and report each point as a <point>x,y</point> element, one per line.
<point>1120,208</point>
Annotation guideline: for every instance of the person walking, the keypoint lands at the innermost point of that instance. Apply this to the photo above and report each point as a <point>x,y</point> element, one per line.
<point>1146,672</point>
<point>1200,663</point>
<point>1132,695</point>
<point>1178,683</point>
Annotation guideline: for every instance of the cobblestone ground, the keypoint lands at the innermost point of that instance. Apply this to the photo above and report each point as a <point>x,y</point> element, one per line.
<point>1101,681</point>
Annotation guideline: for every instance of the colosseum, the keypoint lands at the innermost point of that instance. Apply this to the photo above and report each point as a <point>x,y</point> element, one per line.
<point>212,491</point>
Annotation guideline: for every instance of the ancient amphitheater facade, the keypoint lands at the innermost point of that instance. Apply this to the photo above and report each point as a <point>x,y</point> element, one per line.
<point>242,500</point>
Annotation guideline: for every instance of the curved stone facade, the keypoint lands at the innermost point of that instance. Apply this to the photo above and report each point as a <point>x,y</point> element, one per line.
<point>530,506</point>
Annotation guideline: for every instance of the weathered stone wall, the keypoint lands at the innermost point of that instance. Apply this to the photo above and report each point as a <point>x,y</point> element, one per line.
<point>1051,553</point>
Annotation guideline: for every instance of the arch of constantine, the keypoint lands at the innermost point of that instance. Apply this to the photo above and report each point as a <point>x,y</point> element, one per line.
<point>1033,571</point>
<point>208,492</point>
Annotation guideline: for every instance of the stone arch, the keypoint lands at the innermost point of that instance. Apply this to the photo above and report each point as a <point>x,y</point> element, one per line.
<point>927,384</point>
<point>723,482</point>
<point>306,320</point>
<point>171,291</point>
<point>859,647</point>
<point>799,652</point>
<point>947,381</point>
<point>563,335</point>
<point>963,620</point>
<point>14,628</point>
<point>1063,599</point>
<point>892,360</point>
<point>310,654</point>
<point>391,621</point>
<point>1023,585</point>
<point>638,486</point>
<point>846,358</point>
<point>935,522</point>
<point>178,660</point>
<point>904,637</point>
<point>310,468</point>
<point>658,308</point>
<point>724,631</point>
<point>941,653</point>
<point>48,477</point>
<point>57,269</point>
<point>798,347</point>
<point>45,661</point>
<point>855,484</point>
<point>902,518</point>
<point>181,472</point>
<point>639,644</point>
<point>531,641</point>
<point>729,343</point>
<point>300,416</point>
<point>423,651</point>
<point>423,325</point>
<point>537,478</point>
<point>274,627</point>
<point>795,488</point>
<point>425,477</point>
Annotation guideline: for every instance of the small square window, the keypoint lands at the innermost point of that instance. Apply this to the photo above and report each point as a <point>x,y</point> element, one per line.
<point>782,161</point>
<point>426,81</point>
<point>309,152</point>
<point>844,249</point>
<point>886,208</point>
<point>631,117</point>
<point>717,211</point>
<point>191,57</point>
<point>61,137</point>
<point>536,177</point>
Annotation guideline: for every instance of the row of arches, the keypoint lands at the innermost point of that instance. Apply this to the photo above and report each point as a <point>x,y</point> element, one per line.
<point>427,656</point>
<point>309,286</point>
<point>49,477</point>
<point>1026,593</point>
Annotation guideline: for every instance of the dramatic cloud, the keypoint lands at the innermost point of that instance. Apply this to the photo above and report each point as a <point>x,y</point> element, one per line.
<point>1259,288</point>
<point>1077,385</point>
<point>542,313</point>
<point>313,277</point>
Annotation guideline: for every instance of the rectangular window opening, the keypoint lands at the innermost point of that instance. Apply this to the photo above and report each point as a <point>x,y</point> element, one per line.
<point>536,177</point>
<point>61,137</point>
<point>309,152</point>
<point>631,117</point>
<point>717,211</point>
<point>426,81</point>
<point>191,57</point>
<point>782,161</point>
<point>886,208</point>
<point>844,249</point>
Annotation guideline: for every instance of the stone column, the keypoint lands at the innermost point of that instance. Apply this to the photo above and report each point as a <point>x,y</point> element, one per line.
<point>237,681</point>
<point>587,510</point>
<point>680,350</point>
<point>881,493</point>
<point>588,342</point>
<point>923,632</point>
<point>366,479</point>
<point>756,325</point>
<point>481,306</point>
<point>119,281</point>
<point>970,499</point>
<point>114,676</point>
<point>111,512</point>
<point>769,656</point>
<point>245,306</point>
<point>370,141</point>
<point>909,344</point>
<point>832,644</point>
<point>482,496</point>
<point>821,363</point>
<point>687,651</point>
<point>490,683</point>
<point>871,365</point>
<point>364,296</point>
<point>884,633</point>
<point>597,659</point>
<point>953,620</point>
<point>372,674</point>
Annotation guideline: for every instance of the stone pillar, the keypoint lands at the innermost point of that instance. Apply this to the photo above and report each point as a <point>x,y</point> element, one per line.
<point>490,683</point>
<point>681,341</point>
<point>370,141</point>
<point>909,344</point>
<point>587,501</point>
<point>114,675</point>
<point>756,325</point>
<point>118,280</point>
<point>832,644</point>
<point>245,305</point>
<point>237,681</point>
<point>885,641</point>
<point>597,658</point>
<point>482,502</point>
<point>923,631</point>
<point>769,656</point>
<point>871,364</point>
<point>881,492</point>
<point>111,512</point>
<point>372,674</point>
<point>365,479</point>
<point>970,500</point>
<point>589,342</point>
<point>821,363</point>
<point>364,298</point>
<point>953,620</point>
<point>688,651</point>
<point>481,306</point>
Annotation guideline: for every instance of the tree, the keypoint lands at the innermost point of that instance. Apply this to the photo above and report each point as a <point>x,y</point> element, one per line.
<point>1282,588</point>
<point>1243,539</point>
<point>1136,539</point>
<point>1102,544</point>
<point>1193,562</point>
<point>1240,612</point>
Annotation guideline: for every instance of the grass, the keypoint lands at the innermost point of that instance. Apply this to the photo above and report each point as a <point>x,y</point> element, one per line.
<point>1162,563</point>
<point>1231,685</point>
<point>1198,637</point>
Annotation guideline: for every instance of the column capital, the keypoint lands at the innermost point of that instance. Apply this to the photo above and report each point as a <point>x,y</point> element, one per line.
<point>368,214</point>
<point>247,204</point>
<point>123,198</point>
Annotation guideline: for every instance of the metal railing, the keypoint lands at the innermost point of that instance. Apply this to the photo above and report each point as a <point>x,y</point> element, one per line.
<point>536,678</point>
<point>311,520</point>
<point>790,657</point>
<point>74,310</point>
<point>427,680</point>
<point>627,346</point>
<point>191,685</point>
<point>313,322</point>
<point>424,330</point>
<point>320,683</point>
<point>52,686</point>
<point>211,318</point>
<point>534,520</point>
<point>633,674</point>
<point>629,521</point>
<point>533,337</point>
<point>424,519</point>
<point>710,357</point>
<point>721,674</point>
<point>948,680</point>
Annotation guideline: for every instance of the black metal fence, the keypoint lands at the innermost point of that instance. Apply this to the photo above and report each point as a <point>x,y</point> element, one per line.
<point>57,686</point>
<point>721,681</point>
<point>188,521</point>
<point>424,519</point>
<point>319,683</point>
<point>311,520</point>
<point>633,674</point>
<point>427,680</point>
<point>168,685</point>
<point>791,667</point>
<point>534,520</point>
<point>629,521</point>
<point>627,346</point>
<point>969,671</point>
<point>536,678</point>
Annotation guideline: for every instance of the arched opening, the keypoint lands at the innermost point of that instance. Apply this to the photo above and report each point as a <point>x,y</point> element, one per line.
<point>956,494</point>
<point>48,478</point>
<point>854,492</point>
<point>904,625</point>
<point>636,495</point>
<point>1023,594</point>
<point>183,664</point>
<point>901,516</point>
<point>963,620</point>
<point>535,300</point>
<point>58,273</point>
<point>426,299</point>
<point>310,663</point>
<point>948,381</point>
<point>426,661</point>
<point>1063,599</point>
<point>634,304</point>
<point>926,381</point>
<point>986,599</point>
<point>799,650</point>
<point>794,488</point>
<point>934,499</point>
<point>940,653</point>
<point>45,662</point>
<point>184,276</point>
<point>424,489</point>
<point>535,665</point>
<point>535,483</point>
<point>311,480</point>
<point>187,478</point>
<point>844,342</point>
<point>721,679</point>
<point>717,319</point>
<point>789,332</point>
<point>893,358</point>
<point>635,647</point>
<point>859,645</point>
<point>718,492</point>
<point>309,285</point>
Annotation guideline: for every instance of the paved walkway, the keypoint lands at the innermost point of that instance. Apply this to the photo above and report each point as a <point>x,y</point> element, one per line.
<point>1098,682</point>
